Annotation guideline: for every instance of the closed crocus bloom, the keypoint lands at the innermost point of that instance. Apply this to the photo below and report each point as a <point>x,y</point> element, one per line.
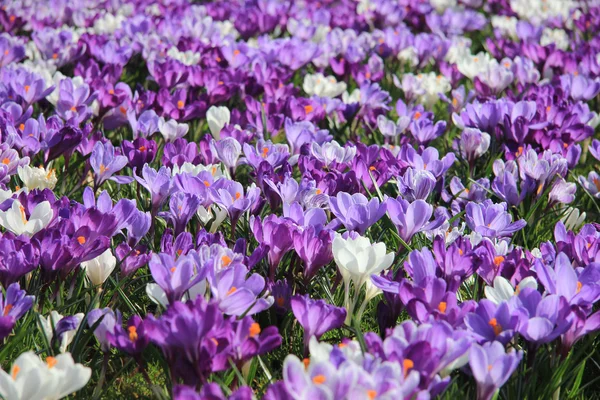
<point>171,129</point>
<point>217,118</point>
<point>62,329</point>
<point>322,86</point>
<point>37,178</point>
<point>31,378</point>
<point>492,366</point>
<point>100,268</point>
<point>227,150</point>
<point>358,258</point>
<point>15,219</point>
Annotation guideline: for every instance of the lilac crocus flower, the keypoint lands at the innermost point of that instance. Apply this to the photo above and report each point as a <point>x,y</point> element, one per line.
<point>182,207</point>
<point>411,218</point>
<point>227,150</point>
<point>331,152</point>
<point>591,183</point>
<point>472,144</point>
<point>416,184</point>
<point>274,154</point>
<point>175,277</point>
<point>104,327</point>
<point>491,220</point>
<point>492,366</point>
<point>580,87</point>
<point>300,133</point>
<point>237,293</point>
<point>355,211</point>
<point>105,163</point>
<point>158,183</point>
<point>316,316</point>
<point>424,131</point>
<point>13,305</point>
<point>231,196</point>
<point>579,287</point>
<point>547,317</point>
<point>144,126</point>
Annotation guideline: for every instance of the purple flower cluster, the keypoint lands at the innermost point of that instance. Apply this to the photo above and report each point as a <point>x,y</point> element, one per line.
<point>351,179</point>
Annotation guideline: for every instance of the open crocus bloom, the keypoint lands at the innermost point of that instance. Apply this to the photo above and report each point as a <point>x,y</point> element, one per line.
<point>15,219</point>
<point>37,178</point>
<point>32,378</point>
<point>503,290</point>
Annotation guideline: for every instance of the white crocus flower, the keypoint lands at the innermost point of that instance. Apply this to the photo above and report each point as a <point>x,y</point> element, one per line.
<point>49,326</point>
<point>503,290</point>
<point>322,86</point>
<point>15,220</point>
<point>5,195</point>
<point>358,259</point>
<point>217,118</point>
<point>37,178</point>
<point>156,294</point>
<point>351,98</point>
<point>573,219</point>
<point>214,213</point>
<point>99,269</point>
<point>172,130</point>
<point>31,378</point>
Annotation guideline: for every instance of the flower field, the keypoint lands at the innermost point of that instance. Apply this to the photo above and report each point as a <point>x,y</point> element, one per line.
<point>299,199</point>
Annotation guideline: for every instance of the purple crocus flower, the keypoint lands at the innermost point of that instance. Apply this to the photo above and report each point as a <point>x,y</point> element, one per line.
<point>580,87</point>
<point>411,218</point>
<point>105,163</point>
<point>416,184</point>
<point>546,317</point>
<point>277,234</point>
<point>18,257</point>
<point>146,125</point>
<point>579,287</point>
<point>300,133</point>
<point>355,211</point>
<point>182,207</point>
<point>274,154</point>
<point>13,305</point>
<point>492,366</point>
<point>237,293</point>
<point>492,322</point>
<point>491,220</point>
<point>316,317</point>
<point>105,326</point>
<point>139,152</point>
<point>133,341</point>
<point>227,150</point>
<point>314,248</point>
<point>158,183</point>
<point>175,277</point>
<point>424,131</point>
<point>231,196</point>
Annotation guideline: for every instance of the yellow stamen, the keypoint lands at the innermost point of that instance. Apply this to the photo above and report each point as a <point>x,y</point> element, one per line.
<point>319,379</point>
<point>442,307</point>
<point>133,336</point>
<point>496,326</point>
<point>51,361</point>
<point>254,329</point>
<point>81,239</point>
